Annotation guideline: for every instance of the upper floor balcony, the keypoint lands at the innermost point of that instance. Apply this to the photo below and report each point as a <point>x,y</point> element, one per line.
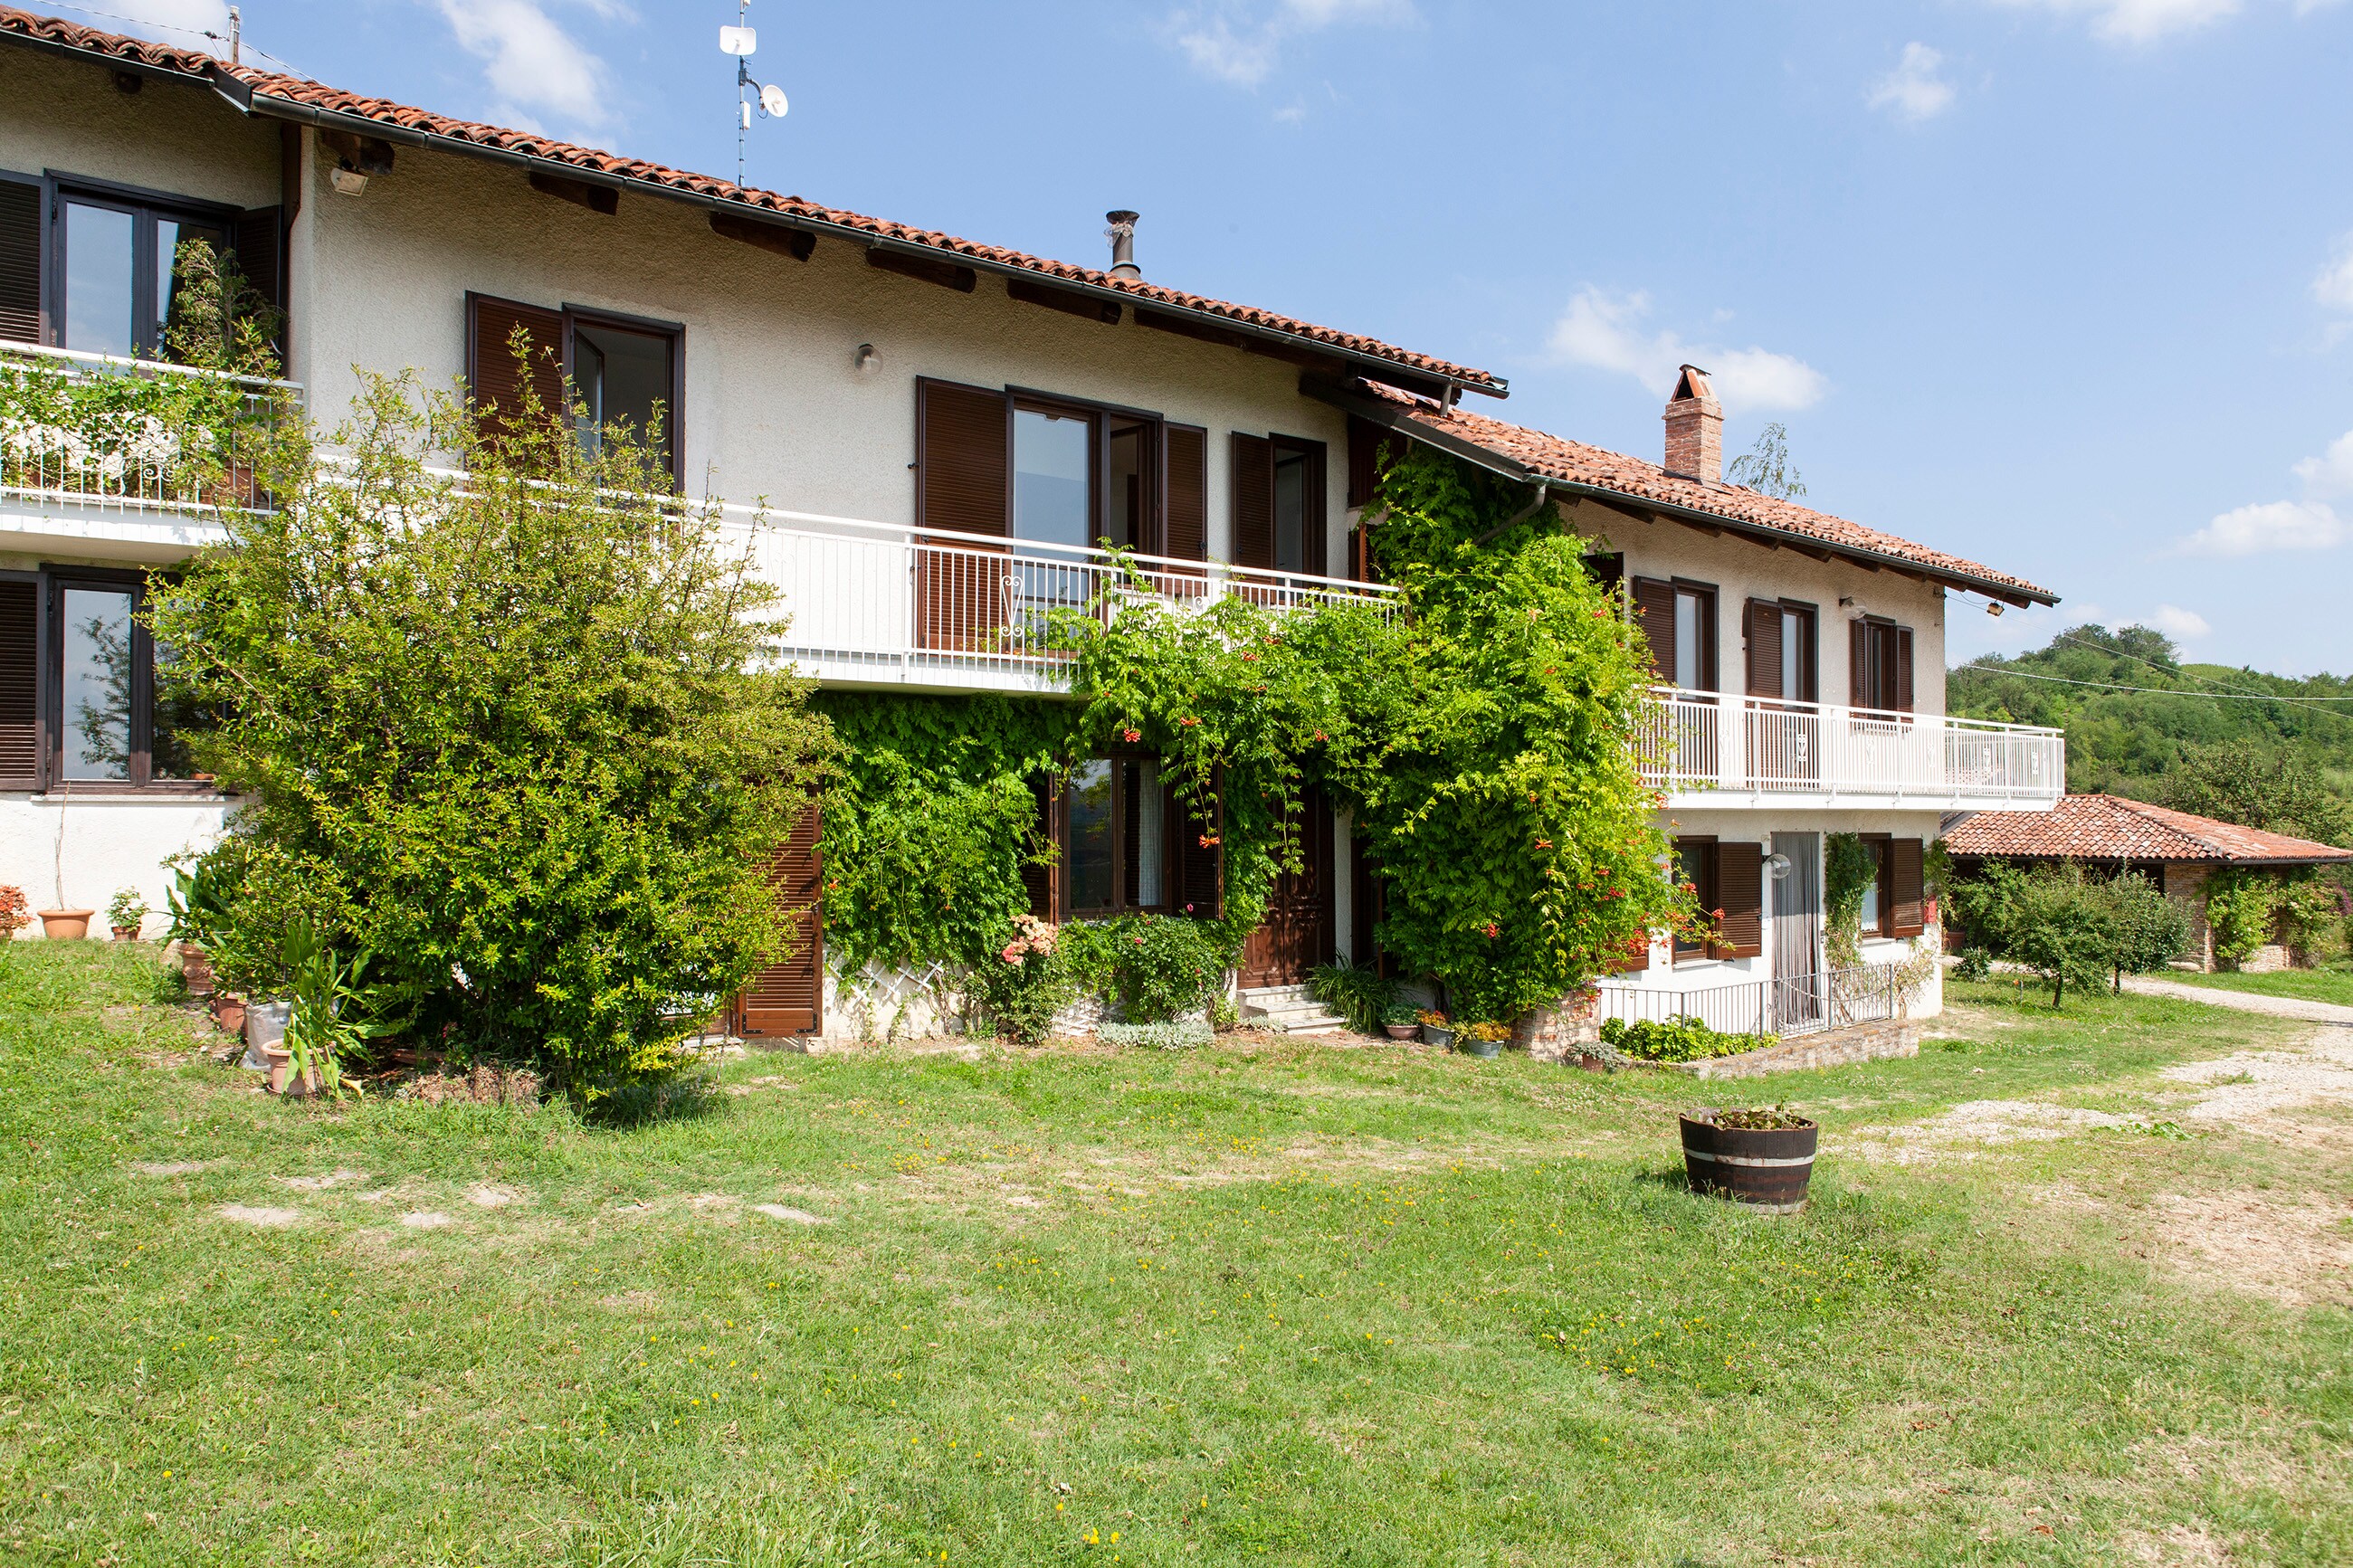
<point>127,458</point>
<point>1714,749</point>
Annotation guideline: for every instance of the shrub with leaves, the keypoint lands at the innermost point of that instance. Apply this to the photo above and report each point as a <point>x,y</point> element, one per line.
<point>1169,1037</point>
<point>519,736</point>
<point>1022,984</point>
<point>1359,994</point>
<point>1676,1039</point>
<point>1153,968</point>
<point>2152,930</point>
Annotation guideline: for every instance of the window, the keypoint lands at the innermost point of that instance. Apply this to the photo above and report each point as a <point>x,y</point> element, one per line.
<point>1116,837</point>
<point>1696,861</point>
<point>1133,518</point>
<point>1679,619</point>
<point>115,263</point>
<point>101,724</point>
<point>1278,503</point>
<point>1881,664</point>
<point>1292,519</point>
<point>1782,658</point>
<point>627,373</point>
<point>1878,894</point>
<point>1053,475</point>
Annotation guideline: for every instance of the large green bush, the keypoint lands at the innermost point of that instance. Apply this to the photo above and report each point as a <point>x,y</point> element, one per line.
<point>517,737</point>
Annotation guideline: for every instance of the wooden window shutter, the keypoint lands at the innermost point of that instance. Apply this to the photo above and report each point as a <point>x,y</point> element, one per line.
<point>1740,893</point>
<point>1908,889</point>
<point>1903,694</point>
<point>964,458</point>
<point>495,380</point>
<point>1370,450</point>
<point>787,997</point>
<point>1201,857</point>
<point>1858,666</point>
<point>1318,525</point>
<point>1636,955</point>
<point>1188,493</point>
<point>20,261</point>
<point>1039,877</point>
<point>1654,611</point>
<point>20,751</point>
<point>259,238</point>
<point>1253,485</point>
<point>1762,627</point>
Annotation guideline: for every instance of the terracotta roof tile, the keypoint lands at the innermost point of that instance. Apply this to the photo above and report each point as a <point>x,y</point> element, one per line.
<point>1574,462</point>
<point>267,87</point>
<point>2110,827</point>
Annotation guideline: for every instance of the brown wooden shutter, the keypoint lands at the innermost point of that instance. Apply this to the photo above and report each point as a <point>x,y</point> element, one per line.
<point>1858,665</point>
<point>1315,525</point>
<point>1253,485</point>
<point>964,468</point>
<point>787,997</point>
<point>1740,893</point>
<point>1903,697</point>
<point>1370,450</point>
<point>259,239</point>
<point>1909,895</point>
<point>20,261</point>
<point>494,379</point>
<point>1654,612</point>
<point>1188,493</point>
<point>1201,857</point>
<point>1762,627</point>
<point>20,751</point>
<point>1040,880</point>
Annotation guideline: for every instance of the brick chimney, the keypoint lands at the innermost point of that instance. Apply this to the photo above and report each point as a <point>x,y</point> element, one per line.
<point>1695,429</point>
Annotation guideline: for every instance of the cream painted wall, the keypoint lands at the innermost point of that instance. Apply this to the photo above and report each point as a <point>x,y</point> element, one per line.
<point>1742,569</point>
<point>108,843</point>
<point>67,116</point>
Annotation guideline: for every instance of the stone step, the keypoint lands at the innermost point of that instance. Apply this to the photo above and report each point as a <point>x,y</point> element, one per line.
<point>1273,996</point>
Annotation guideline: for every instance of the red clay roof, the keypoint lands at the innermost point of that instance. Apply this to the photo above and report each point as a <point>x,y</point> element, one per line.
<point>2110,827</point>
<point>1539,454</point>
<point>267,88</point>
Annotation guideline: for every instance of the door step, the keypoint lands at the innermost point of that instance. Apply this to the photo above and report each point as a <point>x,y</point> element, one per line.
<point>1288,1009</point>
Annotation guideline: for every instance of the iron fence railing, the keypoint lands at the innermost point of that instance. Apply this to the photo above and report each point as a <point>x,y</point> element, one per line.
<point>1709,741</point>
<point>130,435</point>
<point>1781,1005</point>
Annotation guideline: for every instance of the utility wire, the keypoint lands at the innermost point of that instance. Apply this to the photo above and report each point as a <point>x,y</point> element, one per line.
<point>243,43</point>
<point>2153,690</point>
<point>2184,674</point>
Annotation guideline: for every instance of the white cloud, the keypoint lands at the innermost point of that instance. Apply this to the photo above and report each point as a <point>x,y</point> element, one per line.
<point>1913,91</point>
<point>2139,21</point>
<point>2270,525</point>
<point>2331,473</point>
<point>1605,331</point>
<point>530,61</point>
<point>1240,41</point>
<point>2177,623</point>
<point>2334,286</point>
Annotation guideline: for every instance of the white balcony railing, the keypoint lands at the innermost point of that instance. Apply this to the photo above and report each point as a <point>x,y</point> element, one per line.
<point>1693,741</point>
<point>97,431</point>
<point>882,602</point>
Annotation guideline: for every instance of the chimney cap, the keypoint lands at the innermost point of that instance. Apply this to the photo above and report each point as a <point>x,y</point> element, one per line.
<point>1692,384</point>
<point>1122,235</point>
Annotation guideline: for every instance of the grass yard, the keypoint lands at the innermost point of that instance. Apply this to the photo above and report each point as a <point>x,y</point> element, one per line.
<point>1257,1303</point>
<point>2331,984</point>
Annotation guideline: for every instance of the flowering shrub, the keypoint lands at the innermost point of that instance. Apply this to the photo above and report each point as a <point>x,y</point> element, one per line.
<point>1154,967</point>
<point>1023,984</point>
<point>14,912</point>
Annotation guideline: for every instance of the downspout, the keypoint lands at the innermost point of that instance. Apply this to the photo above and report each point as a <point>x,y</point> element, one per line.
<point>1536,502</point>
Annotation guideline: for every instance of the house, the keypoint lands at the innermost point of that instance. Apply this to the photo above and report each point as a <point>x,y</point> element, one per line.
<point>2108,834</point>
<point>943,430</point>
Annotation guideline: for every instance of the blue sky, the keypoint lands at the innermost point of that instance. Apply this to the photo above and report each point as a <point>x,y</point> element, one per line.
<point>2066,286</point>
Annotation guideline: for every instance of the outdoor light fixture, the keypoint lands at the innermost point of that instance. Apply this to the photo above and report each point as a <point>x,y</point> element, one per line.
<point>867,357</point>
<point>349,182</point>
<point>1993,606</point>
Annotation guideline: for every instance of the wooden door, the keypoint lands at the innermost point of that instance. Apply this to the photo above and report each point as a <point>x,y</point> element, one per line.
<point>789,997</point>
<point>1297,933</point>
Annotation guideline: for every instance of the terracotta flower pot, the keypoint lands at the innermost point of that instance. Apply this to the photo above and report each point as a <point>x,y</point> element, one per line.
<point>196,969</point>
<point>66,925</point>
<point>282,1078</point>
<point>228,1013</point>
<point>1401,1031</point>
<point>124,933</point>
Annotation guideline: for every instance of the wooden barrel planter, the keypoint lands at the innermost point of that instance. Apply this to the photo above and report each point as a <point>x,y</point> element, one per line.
<point>1767,1168</point>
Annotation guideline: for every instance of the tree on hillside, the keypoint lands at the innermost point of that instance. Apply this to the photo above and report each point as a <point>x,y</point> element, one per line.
<point>2258,786</point>
<point>1766,468</point>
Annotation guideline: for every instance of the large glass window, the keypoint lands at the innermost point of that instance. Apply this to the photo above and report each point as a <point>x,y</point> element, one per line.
<point>624,381</point>
<point>1290,504</point>
<point>1090,811</point>
<point>1133,487</point>
<point>1115,822</point>
<point>107,724</point>
<point>1053,475</point>
<point>1876,893</point>
<point>1688,633</point>
<point>1695,863</point>
<point>121,274</point>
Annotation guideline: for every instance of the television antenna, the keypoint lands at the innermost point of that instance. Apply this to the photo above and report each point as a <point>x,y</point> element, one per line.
<point>740,41</point>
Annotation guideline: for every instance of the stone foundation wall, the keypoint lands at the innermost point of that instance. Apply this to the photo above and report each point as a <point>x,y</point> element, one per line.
<point>1838,1047</point>
<point>1555,1033</point>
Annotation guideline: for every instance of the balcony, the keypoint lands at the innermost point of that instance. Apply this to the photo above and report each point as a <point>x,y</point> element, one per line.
<point>881,605</point>
<point>128,459</point>
<point>1714,749</point>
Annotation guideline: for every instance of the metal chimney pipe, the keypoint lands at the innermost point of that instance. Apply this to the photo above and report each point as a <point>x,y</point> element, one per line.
<point>1122,235</point>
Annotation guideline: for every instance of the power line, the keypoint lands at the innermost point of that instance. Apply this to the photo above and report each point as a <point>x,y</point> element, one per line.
<point>243,43</point>
<point>2153,690</point>
<point>2186,675</point>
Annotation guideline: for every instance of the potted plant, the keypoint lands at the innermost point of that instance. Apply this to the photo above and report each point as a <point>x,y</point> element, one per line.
<point>13,915</point>
<point>126,914</point>
<point>1762,1156</point>
<point>323,1016</point>
<point>1484,1039</point>
<point>197,910</point>
<point>1399,1020</point>
<point>66,925</point>
<point>1435,1028</point>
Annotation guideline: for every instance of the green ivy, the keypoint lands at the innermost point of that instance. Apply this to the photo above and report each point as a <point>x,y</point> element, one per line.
<point>1157,968</point>
<point>1848,871</point>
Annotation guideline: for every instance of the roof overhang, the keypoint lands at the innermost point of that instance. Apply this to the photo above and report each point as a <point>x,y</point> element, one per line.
<point>1402,421</point>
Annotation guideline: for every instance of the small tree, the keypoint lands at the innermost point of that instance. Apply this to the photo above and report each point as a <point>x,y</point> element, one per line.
<point>2063,928</point>
<point>519,737</point>
<point>2151,929</point>
<point>1766,468</point>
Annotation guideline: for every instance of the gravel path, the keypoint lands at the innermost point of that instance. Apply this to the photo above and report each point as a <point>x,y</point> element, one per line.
<point>2244,1001</point>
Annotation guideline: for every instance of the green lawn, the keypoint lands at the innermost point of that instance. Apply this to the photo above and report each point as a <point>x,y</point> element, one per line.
<point>1249,1304</point>
<point>2304,984</point>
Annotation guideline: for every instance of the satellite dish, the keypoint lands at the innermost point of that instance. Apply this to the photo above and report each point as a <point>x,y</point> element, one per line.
<point>772,101</point>
<point>738,40</point>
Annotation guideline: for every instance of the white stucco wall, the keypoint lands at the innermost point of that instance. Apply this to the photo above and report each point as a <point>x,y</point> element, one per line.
<point>75,853</point>
<point>66,117</point>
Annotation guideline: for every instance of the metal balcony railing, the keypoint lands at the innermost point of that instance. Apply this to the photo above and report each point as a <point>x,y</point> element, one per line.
<point>129,434</point>
<point>1786,1007</point>
<point>1707,740</point>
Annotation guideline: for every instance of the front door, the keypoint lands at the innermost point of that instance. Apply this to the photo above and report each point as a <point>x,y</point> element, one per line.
<point>1798,933</point>
<point>1297,933</point>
